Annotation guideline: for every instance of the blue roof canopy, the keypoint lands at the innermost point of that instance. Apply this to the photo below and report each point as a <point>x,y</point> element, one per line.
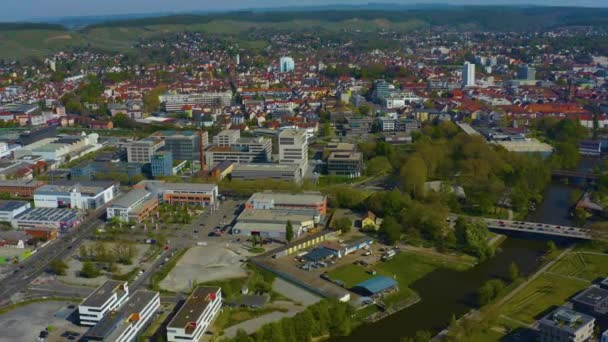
<point>376,284</point>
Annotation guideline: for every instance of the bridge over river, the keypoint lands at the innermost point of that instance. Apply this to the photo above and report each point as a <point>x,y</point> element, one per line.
<point>536,228</point>
<point>539,228</point>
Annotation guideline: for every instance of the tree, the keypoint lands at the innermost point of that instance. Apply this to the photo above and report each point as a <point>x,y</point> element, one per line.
<point>59,267</point>
<point>551,247</point>
<point>343,224</point>
<point>89,270</point>
<point>472,238</point>
<point>326,129</point>
<point>390,230</point>
<point>379,166</point>
<point>151,99</point>
<point>489,291</point>
<point>365,110</point>
<point>303,326</point>
<point>580,215</point>
<point>413,176</point>
<point>289,231</point>
<point>241,336</point>
<point>423,336</point>
<point>513,271</point>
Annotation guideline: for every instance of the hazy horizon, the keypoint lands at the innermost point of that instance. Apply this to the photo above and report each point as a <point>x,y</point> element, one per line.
<point>23,10</point>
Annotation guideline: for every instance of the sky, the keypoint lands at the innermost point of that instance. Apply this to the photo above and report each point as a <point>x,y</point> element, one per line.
<point>19,10</point>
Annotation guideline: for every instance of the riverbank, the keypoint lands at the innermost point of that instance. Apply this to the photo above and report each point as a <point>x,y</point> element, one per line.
<point>575,269</point>
<point>448,292</point>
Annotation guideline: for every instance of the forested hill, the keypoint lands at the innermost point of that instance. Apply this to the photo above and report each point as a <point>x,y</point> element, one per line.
<point>30,26</point>
<point>37,40</point>
<point>503,18</point>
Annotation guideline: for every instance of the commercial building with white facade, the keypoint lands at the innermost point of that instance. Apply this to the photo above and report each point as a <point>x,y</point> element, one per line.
<point>227,137</point>
<point>176,102</point>
<point>61,148</point>
<point>75,194</point>
<point>48,218</point>
<point>142,151</point>
<point>109,296</point>
<point>11,209</point>
<point>293,148</point>
<point>135,205</point>
<point>228,145</point>
<point>254,171</point>
<point>182,193</point>
<point>195,316</point>
<point>267,213</point>
<point>129,321</point>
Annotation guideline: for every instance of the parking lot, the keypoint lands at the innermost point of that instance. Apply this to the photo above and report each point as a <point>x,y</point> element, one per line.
<point>312,273</point>
<point>28,322</point>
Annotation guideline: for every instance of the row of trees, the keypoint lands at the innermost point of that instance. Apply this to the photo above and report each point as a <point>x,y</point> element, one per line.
<point>327,317</point>
<point>122,253</point>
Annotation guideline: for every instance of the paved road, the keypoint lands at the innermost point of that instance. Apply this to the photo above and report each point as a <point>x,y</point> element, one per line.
<point>32,267</point>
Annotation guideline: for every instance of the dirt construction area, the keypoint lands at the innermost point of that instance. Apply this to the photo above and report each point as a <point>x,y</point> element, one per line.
<point>203,264</point>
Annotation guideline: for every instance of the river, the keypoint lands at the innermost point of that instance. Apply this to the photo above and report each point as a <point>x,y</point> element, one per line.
<point>446,293</point>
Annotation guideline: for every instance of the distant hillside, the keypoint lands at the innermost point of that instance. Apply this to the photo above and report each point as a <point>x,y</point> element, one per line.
<point>22,40</point>
<point>481,17</point>
<point>30,26</point>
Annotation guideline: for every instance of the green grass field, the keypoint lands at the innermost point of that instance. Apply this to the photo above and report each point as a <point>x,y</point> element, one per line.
<point>406,267</point>
<point>581,265</point>
<point>544,292</point>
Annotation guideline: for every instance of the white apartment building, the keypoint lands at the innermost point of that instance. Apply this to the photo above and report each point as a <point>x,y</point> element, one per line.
<point>400,99</point>
<point>293,148</point>
<point>109,296</point>
<point>227,137</point>
<point>128,322</point>
<point>468,75</point>
<point>176,102</point>
<point>195,316</point>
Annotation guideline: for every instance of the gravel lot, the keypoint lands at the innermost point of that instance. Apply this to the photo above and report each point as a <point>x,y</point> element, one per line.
<point>203,264</point>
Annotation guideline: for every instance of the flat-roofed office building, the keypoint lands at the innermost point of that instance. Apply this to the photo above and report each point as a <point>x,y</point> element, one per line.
<point>347,164</point>
<point>293,148</point>
<point>126,323</point>
<point>195,316</point>
<point>565,325</point>
<point>109,296</point>
<point>227,137</point>
<point>251,171</point>
<point>143,150</point>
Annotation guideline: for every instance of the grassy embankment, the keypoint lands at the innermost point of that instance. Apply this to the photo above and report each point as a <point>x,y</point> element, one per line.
<point>575,271</point>
<point>406,267</point>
